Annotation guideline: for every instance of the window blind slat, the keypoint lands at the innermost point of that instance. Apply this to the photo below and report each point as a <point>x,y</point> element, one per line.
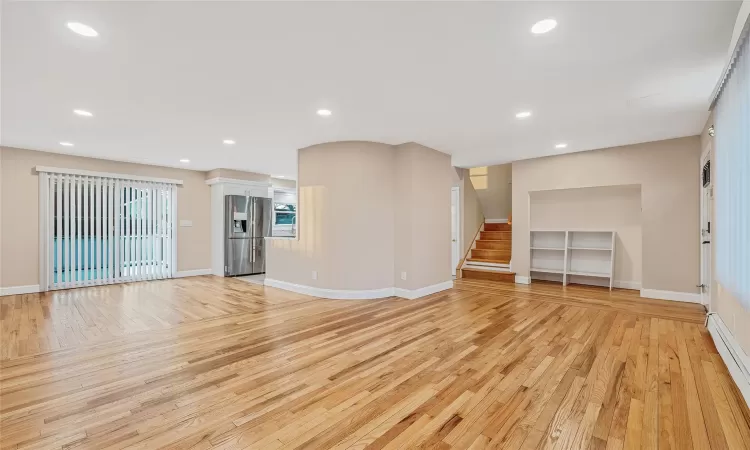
<point>110,228</point>
<point>86,231</point>
<point>73,235</point>
<point>66,237</point>
<point>154,232</point>
<point>159,232</point>
<point>149,233</point>
<point>99,232</point>
<point>138,233</point>
<point>118,228</point>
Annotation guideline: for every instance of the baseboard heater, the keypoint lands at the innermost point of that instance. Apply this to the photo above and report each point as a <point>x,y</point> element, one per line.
<point>732,354</point>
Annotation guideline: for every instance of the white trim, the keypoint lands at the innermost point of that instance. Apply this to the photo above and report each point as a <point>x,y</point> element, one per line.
<point>730,351</point>
<point>218,180</point>
<point>337,294</point>
<point>16,290</point>
<point>522,280</point>
<point>411,294</point>
<point>496,220</point>
<point>457,223</point>
<point>191,273</point>
<point>345,294</point>
<point>43,224</point>
<point>120,176</point>
<point>636,285</point>
<point>688,297</point>
<point>285,190</point>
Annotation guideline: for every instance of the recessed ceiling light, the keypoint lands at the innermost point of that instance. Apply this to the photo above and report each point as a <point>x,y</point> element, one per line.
<point>544,26</point>
<point>66,144</point>
<point>278,176</point>
<point>324,112</point>
<point>561,145</point>
<point>83,30</point>
<point>229,142</point>
<point>184,161</point>
<point>523,114</point>
<point>82,112</point>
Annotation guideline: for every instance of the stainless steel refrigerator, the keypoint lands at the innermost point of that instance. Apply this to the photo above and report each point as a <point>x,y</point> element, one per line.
<point>247,220</point>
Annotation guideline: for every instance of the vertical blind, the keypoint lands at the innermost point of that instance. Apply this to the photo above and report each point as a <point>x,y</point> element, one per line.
<point>732,150</point>
<point>99,230</point>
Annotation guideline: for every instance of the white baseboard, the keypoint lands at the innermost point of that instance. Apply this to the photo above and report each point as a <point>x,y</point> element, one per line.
<point>635,285</point>
<point>192,273</point>
<point>522,280</point>
<point>734,357</point>
<point>411,294</point>
<point>496,220</point>
<point>671,295</point>
<point>344,294</point>
<point>336,294</point>
<point>16,290</point>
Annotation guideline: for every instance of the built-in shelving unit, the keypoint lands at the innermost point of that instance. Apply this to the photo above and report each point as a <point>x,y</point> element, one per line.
<point>578,256</point>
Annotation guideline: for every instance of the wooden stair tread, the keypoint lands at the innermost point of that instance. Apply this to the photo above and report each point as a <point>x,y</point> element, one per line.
<point>488,269</point>
<point>498,235</point>
<point>493,251</point>
<point>498,227</point>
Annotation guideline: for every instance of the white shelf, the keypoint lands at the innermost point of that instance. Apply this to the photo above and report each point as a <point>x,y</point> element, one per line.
<point>537,269</point>
<point>590,274</point>
<point>552,252</point>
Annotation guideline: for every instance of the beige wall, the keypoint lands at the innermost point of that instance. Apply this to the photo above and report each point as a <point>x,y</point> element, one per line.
<point>422,217</point>
<point>345,219</point>
<point>667,173</point>
<point>367,212</point>
<point>495,191</point>
<point>19,238</point>
<point>610,208</point>
<point>723,302</point>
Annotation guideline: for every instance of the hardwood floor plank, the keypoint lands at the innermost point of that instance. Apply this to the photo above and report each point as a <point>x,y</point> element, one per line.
<point>208,362</point>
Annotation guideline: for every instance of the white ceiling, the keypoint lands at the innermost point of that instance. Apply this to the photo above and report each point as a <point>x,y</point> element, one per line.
<point>171,80</point>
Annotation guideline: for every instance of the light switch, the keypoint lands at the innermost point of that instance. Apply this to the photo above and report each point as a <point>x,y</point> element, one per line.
<point>186,223</point>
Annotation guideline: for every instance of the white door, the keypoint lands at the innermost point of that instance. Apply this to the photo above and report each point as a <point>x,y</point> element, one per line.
<point>707,199</point>
<point>455,232</point>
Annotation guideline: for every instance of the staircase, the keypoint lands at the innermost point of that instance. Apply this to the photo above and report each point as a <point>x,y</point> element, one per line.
<point>489,259</point>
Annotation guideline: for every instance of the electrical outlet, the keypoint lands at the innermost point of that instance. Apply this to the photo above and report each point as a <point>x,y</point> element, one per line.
<point>314,274</point>
<point>403,275</point>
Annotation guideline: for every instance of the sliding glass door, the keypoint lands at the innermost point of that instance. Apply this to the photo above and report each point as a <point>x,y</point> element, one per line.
<point>99,230</point>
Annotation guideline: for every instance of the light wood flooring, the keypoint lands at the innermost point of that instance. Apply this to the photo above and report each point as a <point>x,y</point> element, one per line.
<point>207,362</point>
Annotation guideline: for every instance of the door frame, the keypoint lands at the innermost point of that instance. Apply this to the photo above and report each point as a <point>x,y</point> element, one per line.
<point>706,250</point>
<point>455,227</point>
